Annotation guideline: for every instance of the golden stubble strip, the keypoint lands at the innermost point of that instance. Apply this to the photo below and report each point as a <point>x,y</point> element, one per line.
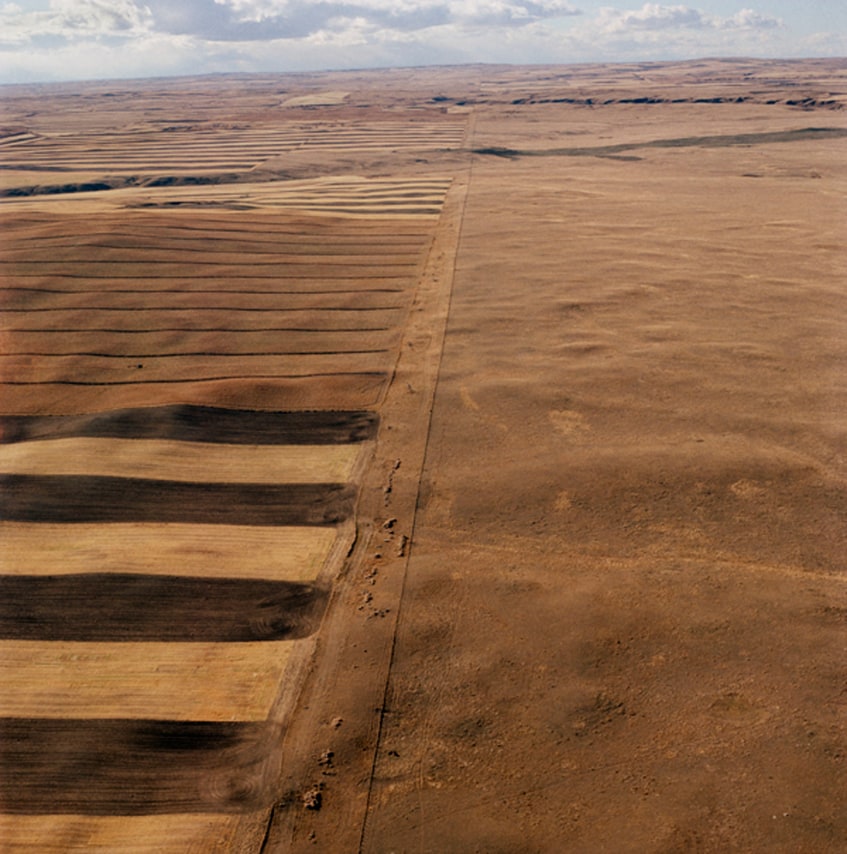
<point>109,371</point>
<point>214,551</point>
<point>171,681</point>
<point>184,461</point>
<point>182,833</point>
<point>347,390</point>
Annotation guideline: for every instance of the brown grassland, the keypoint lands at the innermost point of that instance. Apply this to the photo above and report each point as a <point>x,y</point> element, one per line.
<point>433,460</point>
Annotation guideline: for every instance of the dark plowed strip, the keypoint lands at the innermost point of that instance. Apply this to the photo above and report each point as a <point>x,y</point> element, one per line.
<point>187,423</point>
<point>201,290</point>
<point>216,329</point>
<point>129,607</point>
<point>37,498</point>
<point>135,767</point>
<point>184,380</point>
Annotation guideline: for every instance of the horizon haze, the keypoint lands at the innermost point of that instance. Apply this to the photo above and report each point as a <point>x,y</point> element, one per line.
<point>75,40</point>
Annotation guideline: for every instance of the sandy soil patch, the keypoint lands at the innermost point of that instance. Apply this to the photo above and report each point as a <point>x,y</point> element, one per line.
<point>319,99</point>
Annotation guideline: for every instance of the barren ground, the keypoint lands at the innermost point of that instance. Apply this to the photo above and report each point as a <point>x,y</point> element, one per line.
<point>442,460</point>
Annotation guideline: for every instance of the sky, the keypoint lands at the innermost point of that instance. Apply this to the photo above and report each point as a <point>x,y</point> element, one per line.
<point>48,40</point>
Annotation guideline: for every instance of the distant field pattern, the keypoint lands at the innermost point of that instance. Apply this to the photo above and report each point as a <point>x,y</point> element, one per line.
<point>200,148</point>
<point>190,380</point>
<point>148,299</point>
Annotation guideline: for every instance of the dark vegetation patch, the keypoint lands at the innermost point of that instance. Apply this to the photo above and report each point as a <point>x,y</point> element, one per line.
<point>368,375</point>
<point>120,183</point>
<point>135,607</point>
<point>68,499</point>
<point>7,131</point>
<point>500,151</point>
<point>189,423</point>
<point>55,189</point>
<point>135,767</point>
<point>210,203</point>
<point>624,158</point>
<point>722,141</point>
<point>807,103</point>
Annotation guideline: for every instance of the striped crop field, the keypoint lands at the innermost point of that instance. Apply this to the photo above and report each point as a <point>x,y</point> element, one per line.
<point>190,386</point>
<point>206,148</point>
<point>348,196</point>
<point>160,566</point>
<point>148,307</point>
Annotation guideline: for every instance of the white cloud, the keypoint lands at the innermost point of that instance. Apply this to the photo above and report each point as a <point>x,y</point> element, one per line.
<point>406,11</point>
<point>747,19</point>
<point>261,20</point>
<point>142,57</point>
<point>829,43</point>
<point>124,38</point>
<point>73,20</point>
<point>653,17</point>
<point>101,16</point>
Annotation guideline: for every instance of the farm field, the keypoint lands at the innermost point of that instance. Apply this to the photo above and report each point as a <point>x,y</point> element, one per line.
<point>440,460</point>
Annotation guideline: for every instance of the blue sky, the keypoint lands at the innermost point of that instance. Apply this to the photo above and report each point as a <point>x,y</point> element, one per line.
<point>89,39</point>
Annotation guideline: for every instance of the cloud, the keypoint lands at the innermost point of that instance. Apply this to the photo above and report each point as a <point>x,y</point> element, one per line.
<point>349,22</point>
<point>73,20</point>
<point>747,19</point>
<point>416,13</point>
<point>261,20</point>
<point>76,39</point>
<point>653,17</point>
<point>115,38</point>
